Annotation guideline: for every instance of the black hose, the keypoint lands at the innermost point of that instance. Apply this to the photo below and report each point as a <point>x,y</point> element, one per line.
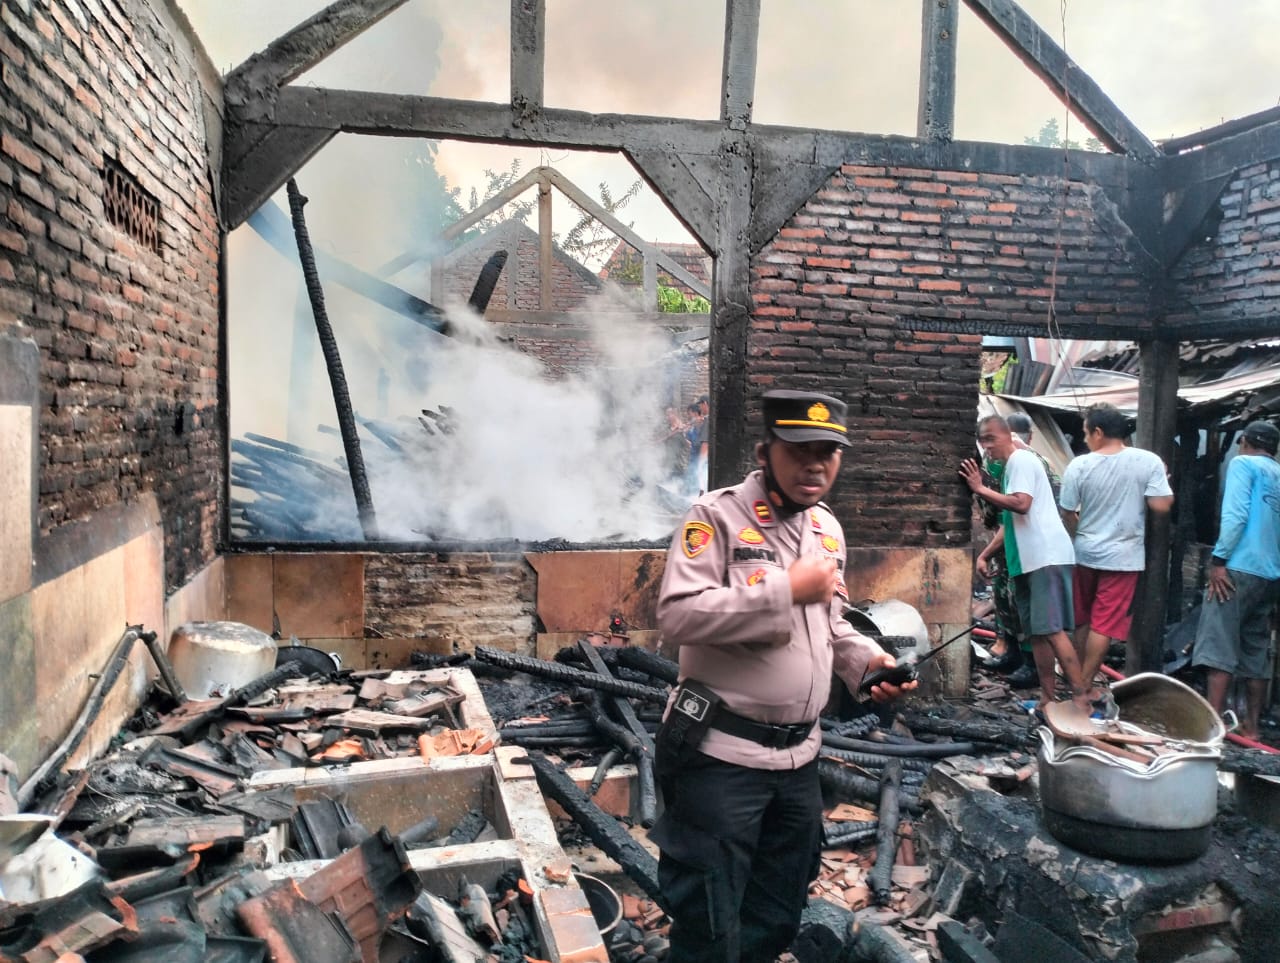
<point>918,750</point>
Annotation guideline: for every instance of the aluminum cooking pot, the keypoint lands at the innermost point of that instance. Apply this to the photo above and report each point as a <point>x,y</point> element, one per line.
<point>1157,811</point>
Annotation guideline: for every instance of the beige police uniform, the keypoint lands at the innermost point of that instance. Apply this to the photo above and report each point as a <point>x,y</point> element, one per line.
<point>741,831</point>
<point>726,601</point>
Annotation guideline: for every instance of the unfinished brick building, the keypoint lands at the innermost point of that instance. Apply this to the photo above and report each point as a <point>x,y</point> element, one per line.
<point>867,265</point>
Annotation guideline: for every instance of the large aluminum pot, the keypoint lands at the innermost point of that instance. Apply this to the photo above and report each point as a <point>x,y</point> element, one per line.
<point>212,659</point>
<point>1158,811</point>
<point>890,618</point>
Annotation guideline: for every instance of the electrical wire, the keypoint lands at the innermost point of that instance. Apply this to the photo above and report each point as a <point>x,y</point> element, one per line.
<point>1052,328</point>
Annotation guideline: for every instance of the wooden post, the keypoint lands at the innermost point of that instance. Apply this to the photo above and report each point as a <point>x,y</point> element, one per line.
<point>544,243</point>
<point>528,46</point>
<point>1157,424</point>
<point>649,285</point>
<point>936,114</point>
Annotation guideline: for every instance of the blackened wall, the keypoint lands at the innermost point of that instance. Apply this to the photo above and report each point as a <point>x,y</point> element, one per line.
<point>844,295</point>
<point>128,335</point>
<point>1234,275</point>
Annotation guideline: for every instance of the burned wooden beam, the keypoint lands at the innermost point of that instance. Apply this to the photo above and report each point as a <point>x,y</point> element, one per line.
<point>1011,734</point>
<point>603,829</point>
<point>333,364</point>
<point>936,111</point>
<point>568,676</point>
<point>528,44</point>
<point>1035,48</point>
<point>295,52</point>
<point>738,80</point>
<point>641,747</point>
<point>848,786</point>
<point>40,780</point>
<point>879,878</point>
<point>918,750</point>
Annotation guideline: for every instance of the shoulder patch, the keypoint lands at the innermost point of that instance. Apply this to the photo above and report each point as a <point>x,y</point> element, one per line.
<point>763,512</point>
<point>750,536</point>
<point>815,520</point>
<point>695,537</point>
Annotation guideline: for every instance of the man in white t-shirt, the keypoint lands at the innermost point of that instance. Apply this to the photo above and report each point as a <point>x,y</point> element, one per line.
<point>1038,552</point>
<point>1105,497</point>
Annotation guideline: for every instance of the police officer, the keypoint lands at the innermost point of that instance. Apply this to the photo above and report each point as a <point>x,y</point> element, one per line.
<point>753,594</point>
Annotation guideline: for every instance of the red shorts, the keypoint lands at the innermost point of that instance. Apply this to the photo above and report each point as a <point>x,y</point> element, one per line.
<point>1104,600</point>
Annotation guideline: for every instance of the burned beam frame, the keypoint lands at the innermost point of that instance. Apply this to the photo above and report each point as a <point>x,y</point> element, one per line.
<point>734,183</point>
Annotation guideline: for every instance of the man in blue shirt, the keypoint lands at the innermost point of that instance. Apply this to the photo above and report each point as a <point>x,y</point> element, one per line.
<point>1244,576</point>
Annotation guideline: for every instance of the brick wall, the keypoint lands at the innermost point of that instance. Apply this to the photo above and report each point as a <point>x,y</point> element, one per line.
<point>571,283</point>
<point>878,250</point>
<point>462,599</point>
<point>128,336</point>
<point>1235,276</point>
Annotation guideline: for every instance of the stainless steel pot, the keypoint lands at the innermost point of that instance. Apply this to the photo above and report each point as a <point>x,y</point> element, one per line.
<point>1159,811</point>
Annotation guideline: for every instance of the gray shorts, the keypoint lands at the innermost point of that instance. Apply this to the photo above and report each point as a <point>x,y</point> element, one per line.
<point>1044,599</point>
<point>1235,636</point>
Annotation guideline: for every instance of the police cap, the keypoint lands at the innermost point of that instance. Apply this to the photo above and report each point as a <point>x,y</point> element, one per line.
<point>805,416</point>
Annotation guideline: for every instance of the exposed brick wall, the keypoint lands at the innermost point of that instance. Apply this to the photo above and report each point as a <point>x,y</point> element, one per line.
<point>127,336</point>
<point>565,351</point>
<point>571,283</point>
<point>1235,276</point>
<point>460,599</point>
<point>877,249</point>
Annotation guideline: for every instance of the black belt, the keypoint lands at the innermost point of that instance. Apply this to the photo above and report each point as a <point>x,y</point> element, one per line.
<point>772,737</point>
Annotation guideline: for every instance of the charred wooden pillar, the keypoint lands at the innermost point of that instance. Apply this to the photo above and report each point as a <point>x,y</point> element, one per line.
<point>731,277</point>
<point>936,114</point>
<point>1157,425</point>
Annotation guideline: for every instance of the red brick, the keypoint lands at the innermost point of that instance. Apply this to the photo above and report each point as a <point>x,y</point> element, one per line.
<point>20,152</point>
<point>928,285</point>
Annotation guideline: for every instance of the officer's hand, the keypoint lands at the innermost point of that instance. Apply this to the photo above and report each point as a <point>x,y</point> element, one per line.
<point>884,692</point>
<point>813,579</point>
<point>1220,587</point>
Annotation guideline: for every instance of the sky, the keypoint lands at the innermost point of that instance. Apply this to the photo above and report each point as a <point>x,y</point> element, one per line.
<point>1174,66</point>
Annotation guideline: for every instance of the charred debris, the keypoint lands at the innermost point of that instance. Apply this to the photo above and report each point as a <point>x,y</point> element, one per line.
<point>209,832</point>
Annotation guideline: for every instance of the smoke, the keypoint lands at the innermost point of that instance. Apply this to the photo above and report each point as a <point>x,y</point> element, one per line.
<point>503,451</point>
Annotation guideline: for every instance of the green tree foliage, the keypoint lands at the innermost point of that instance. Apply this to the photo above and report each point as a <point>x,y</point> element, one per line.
<point>589,240</point>
<point>495,183</point>
<point>675,301</point>
<point>1051,136</point>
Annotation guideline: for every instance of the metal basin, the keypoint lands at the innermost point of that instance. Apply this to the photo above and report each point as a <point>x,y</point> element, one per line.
<point>1158,811</point>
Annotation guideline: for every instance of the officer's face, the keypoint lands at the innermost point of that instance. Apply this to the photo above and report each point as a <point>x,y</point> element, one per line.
<point>805,471</point>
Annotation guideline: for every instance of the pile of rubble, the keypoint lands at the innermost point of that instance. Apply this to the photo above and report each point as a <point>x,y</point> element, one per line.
<point>170,844</point>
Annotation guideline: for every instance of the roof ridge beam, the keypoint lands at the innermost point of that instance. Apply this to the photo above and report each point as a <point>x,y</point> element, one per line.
<point>1038,50</point>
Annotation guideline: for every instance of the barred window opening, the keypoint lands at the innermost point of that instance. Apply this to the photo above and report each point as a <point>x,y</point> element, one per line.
<point>129,206</point>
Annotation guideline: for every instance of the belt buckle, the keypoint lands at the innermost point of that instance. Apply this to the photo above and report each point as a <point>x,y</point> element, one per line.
<point>779,737</point>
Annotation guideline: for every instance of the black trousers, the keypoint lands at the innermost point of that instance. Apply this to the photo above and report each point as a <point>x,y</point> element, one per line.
<point>739,848</point>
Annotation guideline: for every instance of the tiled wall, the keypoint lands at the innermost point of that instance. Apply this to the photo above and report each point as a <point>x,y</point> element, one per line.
<point>66,599</point>
<point>319,598</point>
